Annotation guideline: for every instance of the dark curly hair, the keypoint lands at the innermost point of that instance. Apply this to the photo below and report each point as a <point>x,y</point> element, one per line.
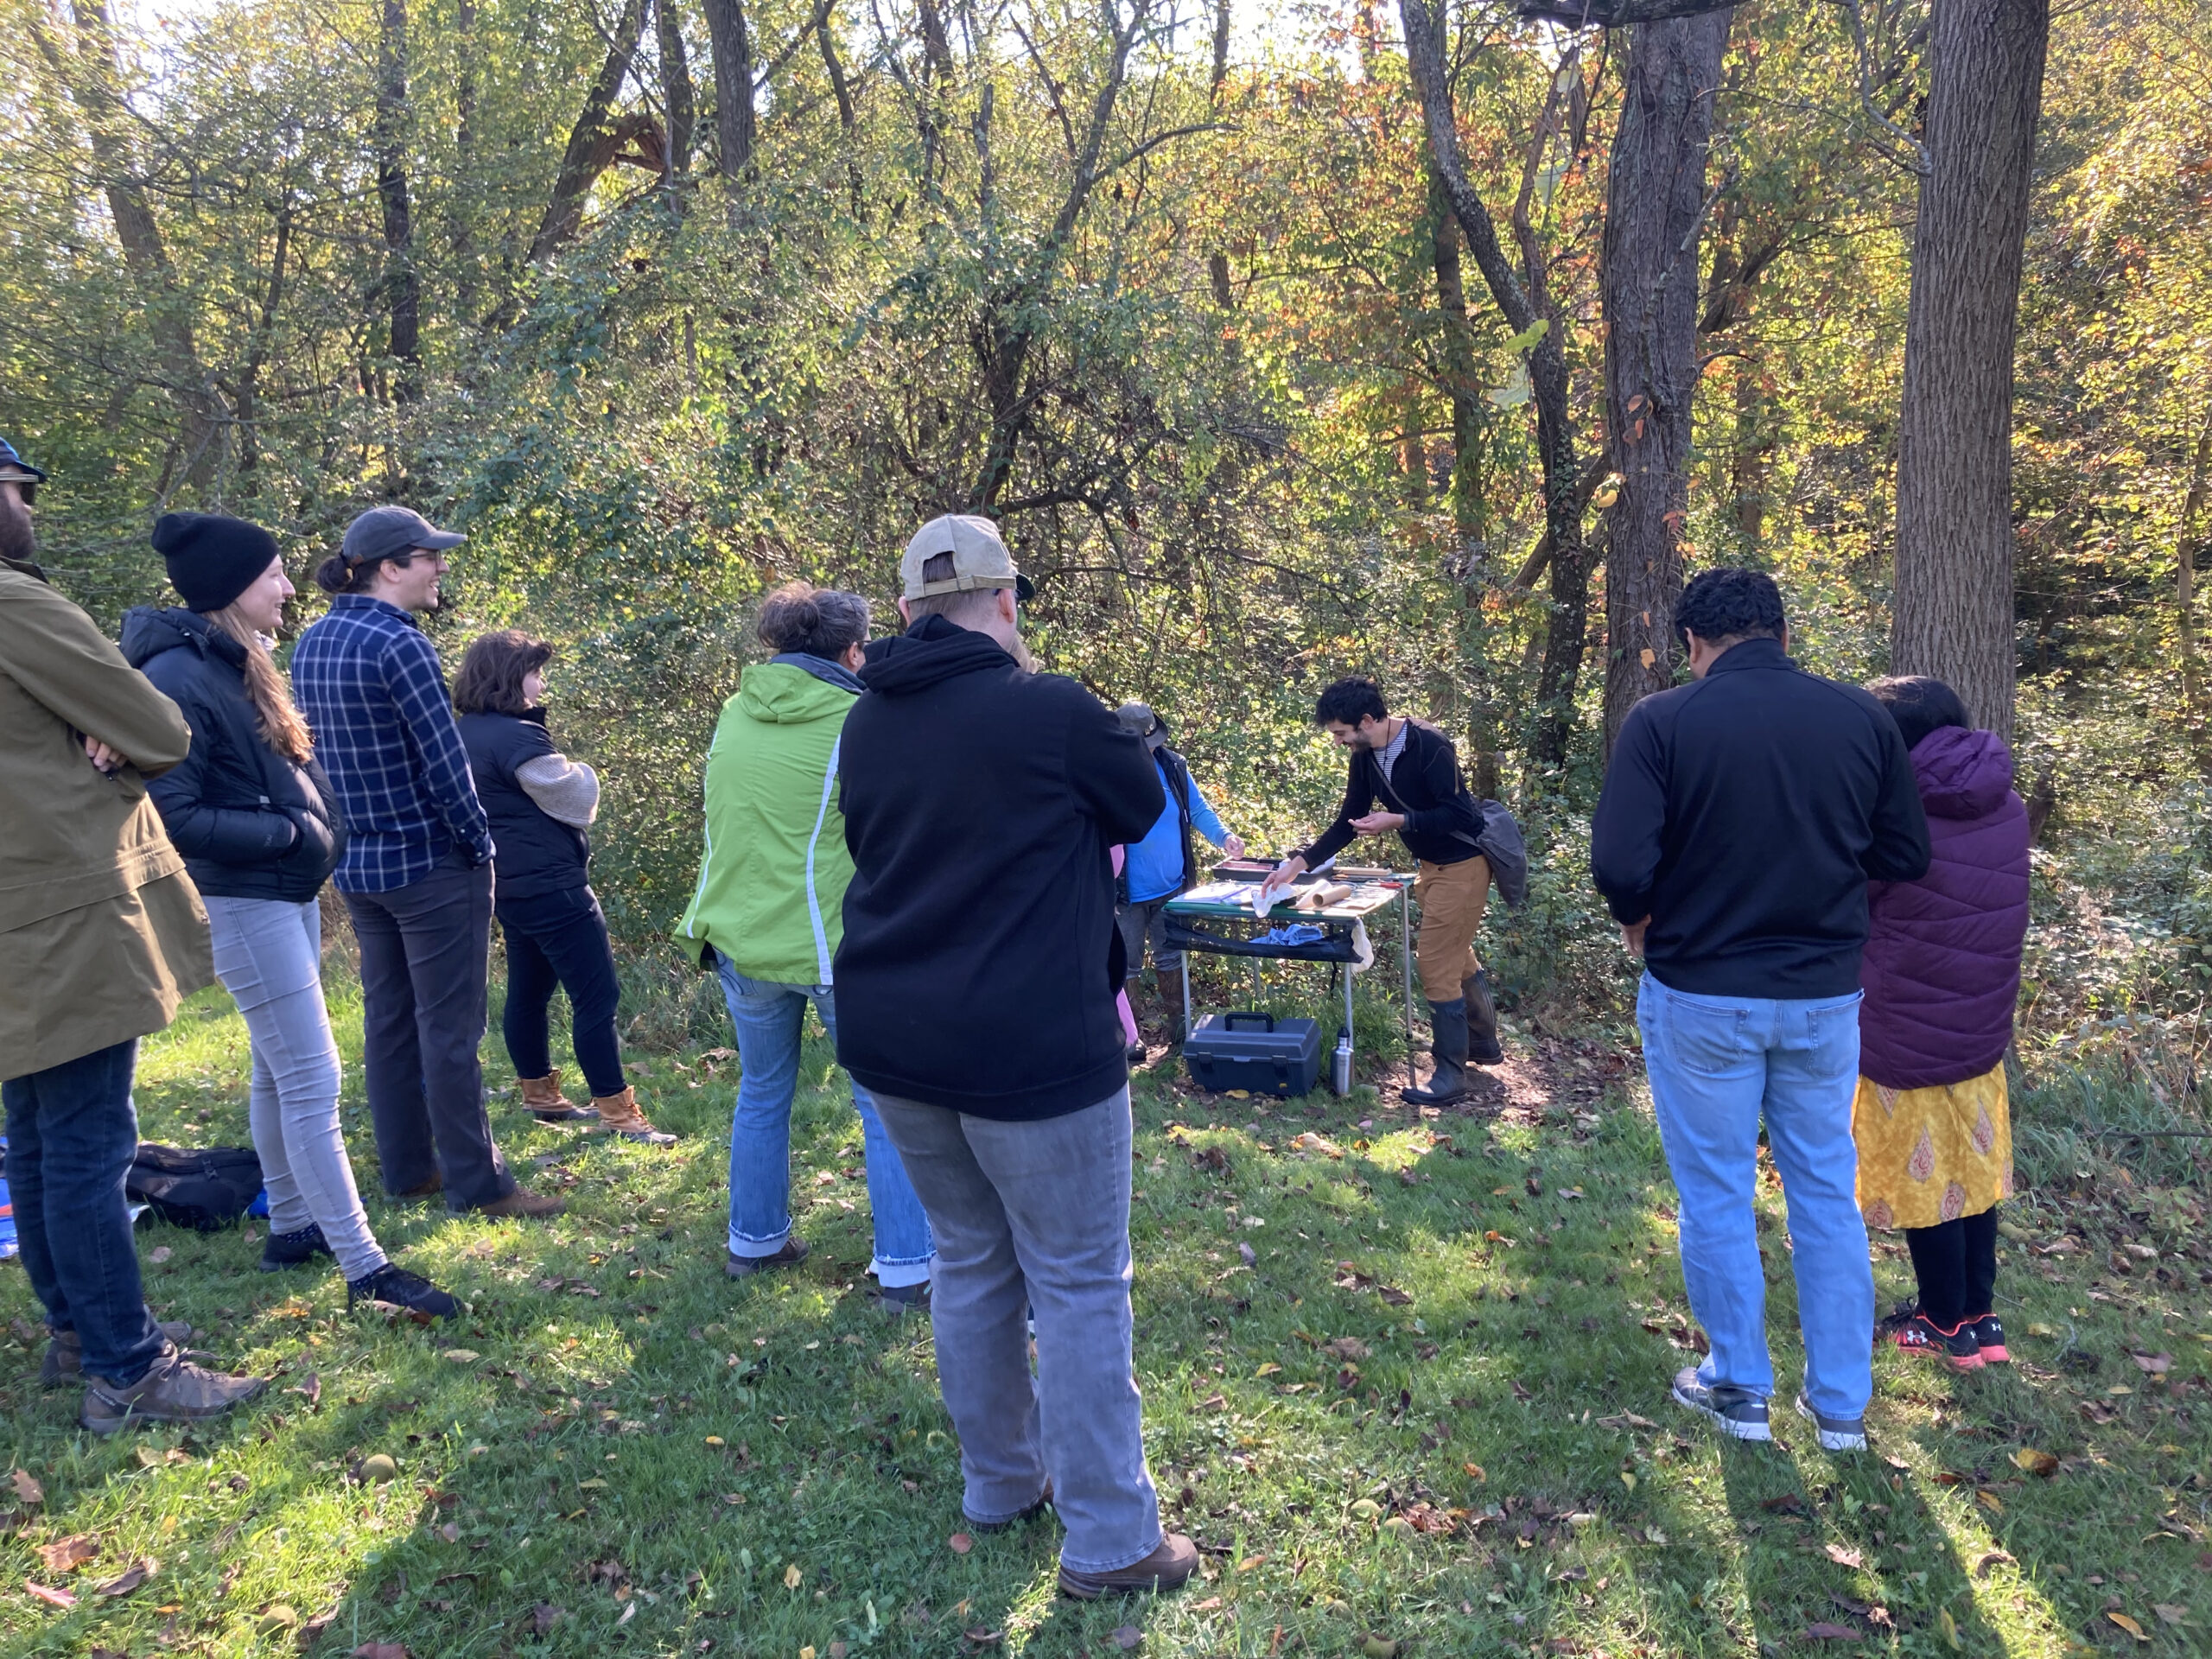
<point>1730,604</point>
<point>493,670</point>
<point>1350,700</point>
<point>1920,704</point>
<point>816,621</point>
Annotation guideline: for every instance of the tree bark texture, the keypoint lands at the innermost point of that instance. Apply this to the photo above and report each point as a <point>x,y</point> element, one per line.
<point>1547,376</point>
<point>1217,261</point>
<point>1470,518</point>
<point>731,43</point>
<point>596,138</point>
<point>677,92</point>
<point>403,286</point>
<point>1954,615</point>
<point>1655,210</point>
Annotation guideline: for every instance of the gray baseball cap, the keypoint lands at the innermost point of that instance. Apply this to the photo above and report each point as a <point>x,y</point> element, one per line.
<point>390,532</point>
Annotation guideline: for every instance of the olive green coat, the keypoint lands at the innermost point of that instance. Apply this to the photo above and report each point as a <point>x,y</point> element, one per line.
<point>102,934</point>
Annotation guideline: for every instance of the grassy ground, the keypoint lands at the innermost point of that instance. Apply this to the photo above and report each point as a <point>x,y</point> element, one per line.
<point>1404,1379</point>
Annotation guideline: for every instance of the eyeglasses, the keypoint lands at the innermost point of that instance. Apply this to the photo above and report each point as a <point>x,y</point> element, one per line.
<point>27,488</point>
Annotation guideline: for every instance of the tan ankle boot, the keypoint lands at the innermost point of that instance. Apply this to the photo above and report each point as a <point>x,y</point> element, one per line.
<point>548,1104</point>
<point>619,1113</point>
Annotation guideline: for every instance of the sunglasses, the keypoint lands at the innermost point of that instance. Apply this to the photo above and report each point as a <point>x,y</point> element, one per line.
<point>28,488</point>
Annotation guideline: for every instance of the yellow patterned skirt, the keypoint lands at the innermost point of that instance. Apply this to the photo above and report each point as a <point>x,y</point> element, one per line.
<point>1932,1155</point>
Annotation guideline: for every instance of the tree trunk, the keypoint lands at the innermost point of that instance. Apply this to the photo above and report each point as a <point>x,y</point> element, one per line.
<point>1217,261</point>
<point>847,113</point>
<point>460,232</point>
<point>676,91</point>
<point>595,140</point>
<point>1470,511</point>
<point>731,43</point>
<point>2192,684</point>
<point>247,404</point>
<point>1563,645</point>
<point>402,286</point>
<point>1954,614</point>
<point>1655,210</point>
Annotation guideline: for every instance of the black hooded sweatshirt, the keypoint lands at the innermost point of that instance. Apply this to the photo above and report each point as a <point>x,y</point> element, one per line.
<point>980,959</point>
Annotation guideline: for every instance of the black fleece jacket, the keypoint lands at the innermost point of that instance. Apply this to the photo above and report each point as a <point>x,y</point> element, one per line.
<point>1745,814</point>
<point>980,960</point>
<point>249,822</point>
<point>1441,817</point>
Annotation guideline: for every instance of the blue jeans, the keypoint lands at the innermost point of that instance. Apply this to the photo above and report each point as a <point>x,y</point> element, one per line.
<point>1717,1065</point>
<point>1036,1215</point>
<point>560,938</point>
<point>72,1133</point>
<point>768,1018</point>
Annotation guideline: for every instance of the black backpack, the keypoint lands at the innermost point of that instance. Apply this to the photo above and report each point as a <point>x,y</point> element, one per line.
<point>205,1191</point>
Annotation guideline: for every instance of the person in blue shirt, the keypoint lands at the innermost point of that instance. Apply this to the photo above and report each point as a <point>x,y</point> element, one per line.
<point>1165,862</point>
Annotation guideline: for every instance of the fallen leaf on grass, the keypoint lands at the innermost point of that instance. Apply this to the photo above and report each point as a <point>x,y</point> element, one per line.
<point>1206,1606</point>
<point>1268,1370</point>
<point>1379,1647</point>
<point>159,1253</point>
<point>129,1580</point>
<point>629,1612</point>
<point>2029,1460</point>
<point>1826,1632</point>
<point>2168,1613</point>
<point>984,1638</point>
<point>1843,1557</point>
<point>960,1543</point>
<point>1475,1472</point>
<point>1989,1560</point>
<point>1346,1348</point>
<point>461,1355</point>
<point>1247,1254</point>
<point>2154,1365</point>
<point>1250,1562</point>
<point>67,1554</point>
<point>2129,1626</point>
<point>1991,1502</point>
<point>48,1592</point>
<point>27,1490</point>
<point>381,1651</point>
<point>792,1576</point>
<point>1126,1637</point>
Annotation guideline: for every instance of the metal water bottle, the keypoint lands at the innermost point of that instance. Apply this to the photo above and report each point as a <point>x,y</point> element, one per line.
<point>1340,1064</point>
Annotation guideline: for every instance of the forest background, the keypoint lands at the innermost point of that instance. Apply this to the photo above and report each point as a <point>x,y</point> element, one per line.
<point>665,300</point>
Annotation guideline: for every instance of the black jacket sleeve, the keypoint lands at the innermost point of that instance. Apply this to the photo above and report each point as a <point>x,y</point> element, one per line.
<point>1439,776</point>
<point>1111,771</point>
<point>1899,849</point>
<point>1359,794</point>
<point>1627,831</point>
<point>221,834</point>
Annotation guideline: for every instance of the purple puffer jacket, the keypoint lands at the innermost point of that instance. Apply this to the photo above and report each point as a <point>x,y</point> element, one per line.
<point>1942,971</point>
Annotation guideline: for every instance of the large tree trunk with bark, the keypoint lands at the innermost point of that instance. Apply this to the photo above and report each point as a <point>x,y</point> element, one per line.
<point>1655,210</point>
<point>731,42</point>
<point>596,138</point>
<point>677,92</point>
<point>1563,499</point>
<point>402,287</point>
<point>1954,615</point>
<point>1469,515</point>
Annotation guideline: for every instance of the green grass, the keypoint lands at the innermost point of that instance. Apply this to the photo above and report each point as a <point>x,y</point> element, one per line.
<point>678,1464</point>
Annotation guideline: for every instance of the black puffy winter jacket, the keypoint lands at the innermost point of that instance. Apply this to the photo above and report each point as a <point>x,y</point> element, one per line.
<point>251,823</point>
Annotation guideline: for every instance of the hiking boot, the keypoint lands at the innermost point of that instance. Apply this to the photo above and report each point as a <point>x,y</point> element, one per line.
<point>1740,1413</point>
<point>173,1390</point>
<point>1482,1019</point>
<point>64,1352</point>
<point>792,1252</point>
<point>1836,1433</point>
<point>394,1286</point>
<point>1167,1569</point>
<point>1989,1332</point>
<point>1448,1081</point>
<point>898,1301</point>
<point>548,1104</point>
<point>422,1189</point>
<point>1958,1348</point>
<point>282,1251</point>
<point>1137,1054</point>
<point>619,1113</point>
<point>534,1206</point>
<point>1019,1516</point>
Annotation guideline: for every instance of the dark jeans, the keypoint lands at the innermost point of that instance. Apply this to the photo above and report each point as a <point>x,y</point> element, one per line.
<point>72,1133</point>
<point>561,939</point>
<point>426,953</point>
<point>1956,1264</point>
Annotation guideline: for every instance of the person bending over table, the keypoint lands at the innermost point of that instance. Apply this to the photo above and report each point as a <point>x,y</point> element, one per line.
<point>1414,769</point>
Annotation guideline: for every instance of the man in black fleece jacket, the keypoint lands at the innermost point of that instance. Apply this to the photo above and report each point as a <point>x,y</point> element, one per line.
<point>976,990</point>
<point>1412,768</point>
<point>1743,816</point>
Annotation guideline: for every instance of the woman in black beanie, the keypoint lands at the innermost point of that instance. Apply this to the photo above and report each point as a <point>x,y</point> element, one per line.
<point>253,816</point>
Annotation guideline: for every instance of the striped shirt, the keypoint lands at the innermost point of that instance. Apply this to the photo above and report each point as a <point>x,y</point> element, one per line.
<point>369,681</point>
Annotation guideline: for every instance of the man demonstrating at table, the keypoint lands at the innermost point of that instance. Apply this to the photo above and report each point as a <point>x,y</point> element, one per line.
<point>975,987</point>
<point>1413,768</point>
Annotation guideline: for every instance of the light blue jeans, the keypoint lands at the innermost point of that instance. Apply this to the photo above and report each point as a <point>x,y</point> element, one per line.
<point>1717,1064</point>
<point>769,1018</point>
<point>269,956</point>
<point>1036,1216</point>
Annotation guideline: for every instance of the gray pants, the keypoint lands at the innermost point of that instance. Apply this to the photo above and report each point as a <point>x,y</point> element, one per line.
<point>426,953</point>
<point>269,956</point>
<point>1035,1216</point>
<point>1147,923</point>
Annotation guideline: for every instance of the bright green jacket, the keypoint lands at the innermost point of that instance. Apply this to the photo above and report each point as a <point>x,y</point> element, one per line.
<point>771,898</point>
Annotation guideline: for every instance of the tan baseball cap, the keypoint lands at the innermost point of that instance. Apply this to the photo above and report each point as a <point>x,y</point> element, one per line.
<point>980,559</point>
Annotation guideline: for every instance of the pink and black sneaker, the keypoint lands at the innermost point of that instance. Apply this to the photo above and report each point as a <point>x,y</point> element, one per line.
<point>1958,1348</point>
<point>1989,1332</point>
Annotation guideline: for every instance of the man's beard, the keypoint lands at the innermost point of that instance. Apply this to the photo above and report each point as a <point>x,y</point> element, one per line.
<point>17,540</point>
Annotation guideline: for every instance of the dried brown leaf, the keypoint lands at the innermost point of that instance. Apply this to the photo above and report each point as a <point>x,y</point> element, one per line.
<point>67,1554</point>
<point>1826,1632</point>
<point>27,1490</point>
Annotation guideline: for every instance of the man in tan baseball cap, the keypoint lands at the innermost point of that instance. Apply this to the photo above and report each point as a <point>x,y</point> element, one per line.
<point>952,558</point>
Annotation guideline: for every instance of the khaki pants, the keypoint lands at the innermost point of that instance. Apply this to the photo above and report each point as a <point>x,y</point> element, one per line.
<point>1451,897</point>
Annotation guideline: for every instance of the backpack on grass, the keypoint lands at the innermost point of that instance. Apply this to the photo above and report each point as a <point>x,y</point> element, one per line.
<point>205,1190</point>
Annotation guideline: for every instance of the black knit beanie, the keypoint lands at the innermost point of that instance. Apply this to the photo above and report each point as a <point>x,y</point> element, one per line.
<point>212,559</point>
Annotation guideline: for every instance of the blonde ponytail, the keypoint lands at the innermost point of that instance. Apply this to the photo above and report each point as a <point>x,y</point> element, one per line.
<point>281,729</point>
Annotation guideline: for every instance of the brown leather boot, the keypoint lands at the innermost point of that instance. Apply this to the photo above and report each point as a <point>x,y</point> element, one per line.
<point>1167,1567</point>
<point>619,1113</point>
<point>548,1104</point>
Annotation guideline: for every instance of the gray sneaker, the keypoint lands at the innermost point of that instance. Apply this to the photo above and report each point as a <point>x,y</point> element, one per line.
<point>1837,1433</point>
<point>1740,1413</point>
<point>65,1353</point>
<point>173,1390</point>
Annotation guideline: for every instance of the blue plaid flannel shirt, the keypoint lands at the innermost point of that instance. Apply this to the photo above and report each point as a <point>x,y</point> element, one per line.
<point>369,681</point>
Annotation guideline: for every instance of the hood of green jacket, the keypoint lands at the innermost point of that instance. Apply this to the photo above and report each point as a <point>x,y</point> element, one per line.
<point>779,694</point>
